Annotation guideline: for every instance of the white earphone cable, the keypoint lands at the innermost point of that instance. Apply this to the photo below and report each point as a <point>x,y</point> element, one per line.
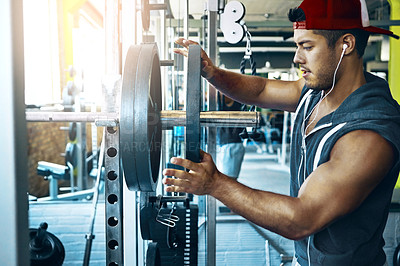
<point>305,130</point>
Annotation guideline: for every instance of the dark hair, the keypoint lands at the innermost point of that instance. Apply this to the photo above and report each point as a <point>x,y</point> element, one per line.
<point>331,36</point>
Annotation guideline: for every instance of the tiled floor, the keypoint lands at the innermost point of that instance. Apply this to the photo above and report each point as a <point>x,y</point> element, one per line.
<point>238,241</point>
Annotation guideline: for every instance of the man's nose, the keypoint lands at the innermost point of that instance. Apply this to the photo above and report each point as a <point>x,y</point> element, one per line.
<point>298,58</point>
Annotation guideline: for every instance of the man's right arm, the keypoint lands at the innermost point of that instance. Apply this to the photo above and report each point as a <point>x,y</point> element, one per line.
<point>256,90</point>
<point>252,90</point>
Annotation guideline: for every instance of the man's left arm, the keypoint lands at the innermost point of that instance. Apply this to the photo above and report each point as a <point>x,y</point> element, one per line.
<point>358,162</point>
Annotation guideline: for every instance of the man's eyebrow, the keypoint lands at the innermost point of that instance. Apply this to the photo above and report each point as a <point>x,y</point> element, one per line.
<point>303,42</point>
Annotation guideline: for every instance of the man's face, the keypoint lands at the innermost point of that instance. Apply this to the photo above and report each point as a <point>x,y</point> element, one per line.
<point>317,61</point>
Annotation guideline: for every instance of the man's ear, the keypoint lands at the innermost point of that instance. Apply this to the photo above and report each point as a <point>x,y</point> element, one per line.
<point>348,43</point>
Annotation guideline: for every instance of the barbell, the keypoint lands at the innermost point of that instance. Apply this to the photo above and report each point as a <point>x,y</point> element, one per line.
<point>141,118</point>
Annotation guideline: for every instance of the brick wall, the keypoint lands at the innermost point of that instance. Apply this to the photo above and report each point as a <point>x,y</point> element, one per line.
<point>46,142</point>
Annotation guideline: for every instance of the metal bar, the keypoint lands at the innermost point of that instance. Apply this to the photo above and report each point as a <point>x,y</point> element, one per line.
<point>213,118</point>
<point>90,236</point>
<point>169,199</point>
<point>167,62</point>
<point>158,6</point>
<point>169,118</point>
<point>211,229</point>
<point>113,199</point>
<point>87,117</point>
<point>13,144</point>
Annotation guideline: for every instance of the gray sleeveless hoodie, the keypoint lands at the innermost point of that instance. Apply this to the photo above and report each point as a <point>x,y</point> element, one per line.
<point>355,239</point>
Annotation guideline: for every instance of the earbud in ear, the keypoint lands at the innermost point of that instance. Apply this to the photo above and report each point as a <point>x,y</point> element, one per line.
<point>345,46</point>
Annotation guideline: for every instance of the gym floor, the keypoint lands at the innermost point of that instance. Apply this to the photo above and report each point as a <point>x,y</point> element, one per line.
<point>239,242</point>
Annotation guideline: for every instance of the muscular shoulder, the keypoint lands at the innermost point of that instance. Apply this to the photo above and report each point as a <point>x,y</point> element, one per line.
<point>363,153</point>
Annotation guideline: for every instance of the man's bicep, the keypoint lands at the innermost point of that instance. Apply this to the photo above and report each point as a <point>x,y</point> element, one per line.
<point>358,163</point>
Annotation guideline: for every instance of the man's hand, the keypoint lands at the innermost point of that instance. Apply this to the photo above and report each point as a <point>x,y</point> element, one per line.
<point>200,180</point>
<point>208,67</point>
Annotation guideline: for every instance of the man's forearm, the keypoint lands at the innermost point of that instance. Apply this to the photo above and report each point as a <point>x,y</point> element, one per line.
<point>242,88</point>
<point>275,212</point>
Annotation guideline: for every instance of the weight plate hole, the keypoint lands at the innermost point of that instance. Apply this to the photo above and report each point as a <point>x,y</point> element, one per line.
<point>112,175</point>
<point>111,130</point>
<point>113,244</point>
<point>112,221</point>
<point>112,199</point>
<point>112,152</point>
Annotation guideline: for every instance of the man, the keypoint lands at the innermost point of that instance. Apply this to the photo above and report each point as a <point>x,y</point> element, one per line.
<point>345,143</point>
<point>230,149</point>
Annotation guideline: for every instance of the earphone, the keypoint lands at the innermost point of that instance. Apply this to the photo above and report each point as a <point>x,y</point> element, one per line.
<point>345,46</point>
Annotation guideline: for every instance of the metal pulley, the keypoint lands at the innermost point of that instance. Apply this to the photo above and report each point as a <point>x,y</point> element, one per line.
<point>45,248</point>
<point>231,22</point>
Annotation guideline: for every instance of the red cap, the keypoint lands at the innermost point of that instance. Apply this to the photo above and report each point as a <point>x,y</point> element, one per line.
<point>337,15</point>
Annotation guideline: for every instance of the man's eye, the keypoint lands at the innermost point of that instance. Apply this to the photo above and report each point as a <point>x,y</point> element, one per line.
<point>307,48</point>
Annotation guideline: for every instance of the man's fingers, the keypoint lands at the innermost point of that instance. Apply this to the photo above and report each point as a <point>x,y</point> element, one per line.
<point>175,182</point>
<point>185,163</point>
<point>176,185</point>
<point>181,51</point>
<point>177,173</point>
<point>184,42</point>
<point>175,189</point>
<point>190,42</point>
<point>180,41</point>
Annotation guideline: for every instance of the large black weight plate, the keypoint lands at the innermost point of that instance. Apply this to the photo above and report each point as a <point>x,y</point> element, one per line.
<point>153,257</point>
<point>140,126</point>
<point>148,214</point>
<point>193,104</point>
<point>396,256</point>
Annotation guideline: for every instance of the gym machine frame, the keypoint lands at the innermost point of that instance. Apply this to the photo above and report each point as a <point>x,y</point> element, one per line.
<point>133,137</point>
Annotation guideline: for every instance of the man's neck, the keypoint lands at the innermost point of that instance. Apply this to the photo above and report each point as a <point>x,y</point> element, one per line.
<point>350,78</point>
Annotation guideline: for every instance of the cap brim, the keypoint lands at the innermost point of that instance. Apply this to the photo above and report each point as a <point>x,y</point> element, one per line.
<point>373,29</point>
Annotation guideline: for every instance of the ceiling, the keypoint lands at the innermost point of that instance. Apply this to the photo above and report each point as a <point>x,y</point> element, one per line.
<point>276,9</point>
<point>267,19</point>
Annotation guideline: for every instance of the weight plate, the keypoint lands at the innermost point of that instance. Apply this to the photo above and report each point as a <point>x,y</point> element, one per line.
<point>140,126</point>
<point>153,257</point>
<point>147,215</point>
<point>193,104</point>
<point>396,256</point>
<point>52,251</point>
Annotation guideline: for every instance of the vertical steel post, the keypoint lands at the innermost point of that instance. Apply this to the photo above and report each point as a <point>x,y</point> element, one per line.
<point>114,177</point>
<point>212,132</point>
<point>113,199</point>
<point>13,145</point>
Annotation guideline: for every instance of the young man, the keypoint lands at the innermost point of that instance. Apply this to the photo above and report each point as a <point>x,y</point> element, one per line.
<point>345,142</point>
